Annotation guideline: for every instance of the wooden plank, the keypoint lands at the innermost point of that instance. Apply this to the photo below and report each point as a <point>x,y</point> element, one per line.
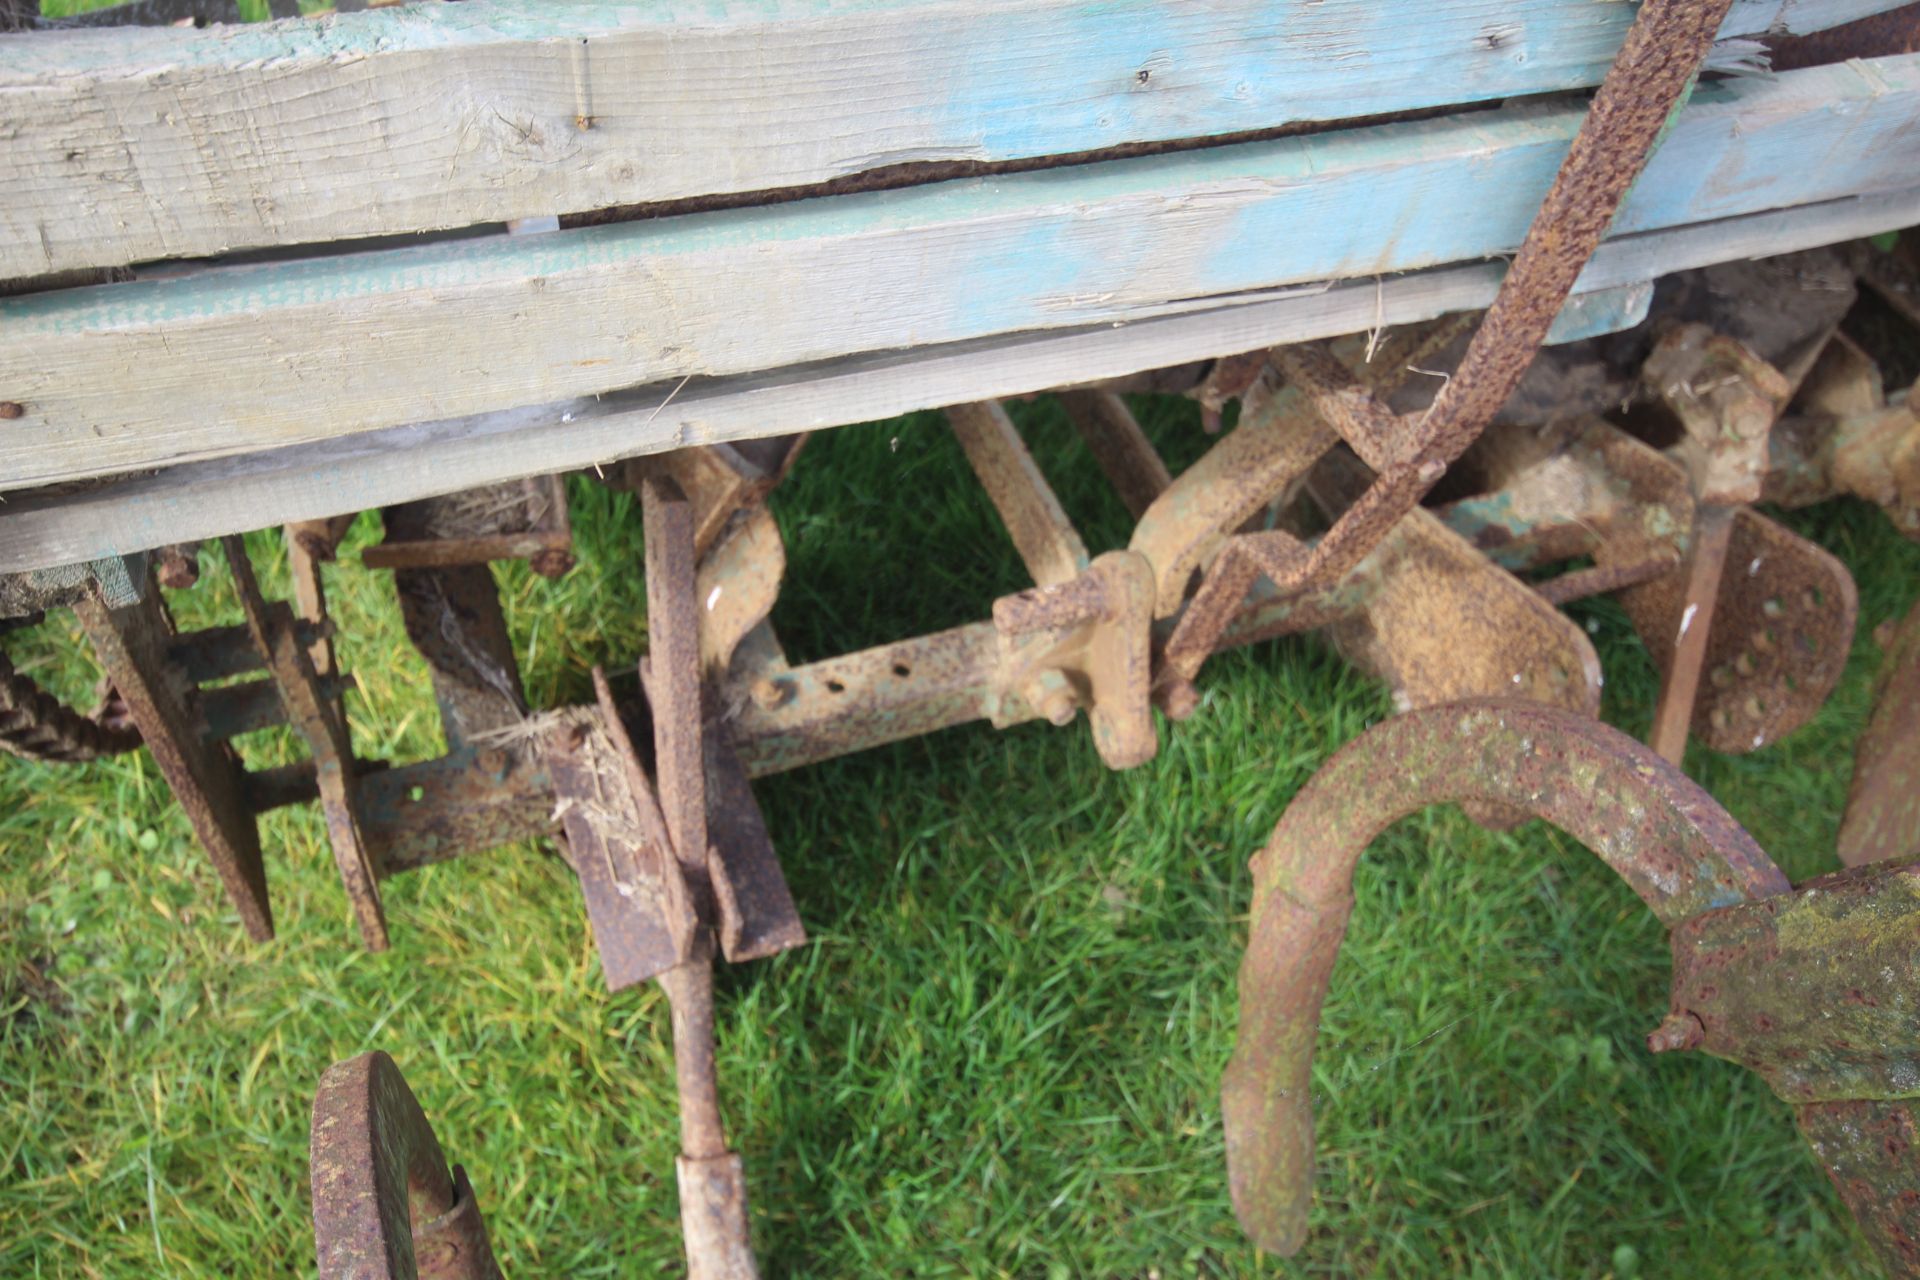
<point>204,500</point>
<point>141,143</point>
<point>152,373</point>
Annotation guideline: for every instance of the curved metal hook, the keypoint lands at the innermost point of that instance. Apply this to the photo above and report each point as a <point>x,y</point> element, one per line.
<point>1666,837</point>
<point>385,1206</point>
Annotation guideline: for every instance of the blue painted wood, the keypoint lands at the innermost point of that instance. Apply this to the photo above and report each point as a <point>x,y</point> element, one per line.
<point>354,473</point>
<point>1589,315</point>
<point>127,376</point>
<point>130,144</point>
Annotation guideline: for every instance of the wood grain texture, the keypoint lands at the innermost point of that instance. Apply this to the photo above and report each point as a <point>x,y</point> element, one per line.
<point>312,481</point>
<point>158,372</point>
<point>134,144</point>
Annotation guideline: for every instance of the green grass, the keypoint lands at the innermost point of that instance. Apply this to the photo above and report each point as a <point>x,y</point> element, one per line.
<point>998,1055</point>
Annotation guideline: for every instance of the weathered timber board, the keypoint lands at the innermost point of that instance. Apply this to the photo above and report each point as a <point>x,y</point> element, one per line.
<point>133,144</point>
<point>201,500</point>
<point>157,372</point>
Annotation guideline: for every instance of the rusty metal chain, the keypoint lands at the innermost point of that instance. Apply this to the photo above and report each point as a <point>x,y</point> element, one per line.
<point>38,726</point>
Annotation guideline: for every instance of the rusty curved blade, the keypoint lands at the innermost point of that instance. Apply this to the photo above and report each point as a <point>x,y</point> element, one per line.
<point>1672,844</point>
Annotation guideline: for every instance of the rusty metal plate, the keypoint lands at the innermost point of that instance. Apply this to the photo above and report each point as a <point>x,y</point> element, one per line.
<point>1440,622</point>
<point>1871,1150</point>
<point>1782,625</point>
<point>131,643</point>
<point>757,917</point>
<point>1816,990</point>
<point>643,918</point>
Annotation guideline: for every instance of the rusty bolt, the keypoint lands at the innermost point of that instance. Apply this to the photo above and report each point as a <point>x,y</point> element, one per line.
<point>1051,694</point>
<point>1178,698</point>
<point>1678,1030</point>
<point>552,563</point>
<point>10,409</point>
<point>768,694</point>
<point>177,569</point>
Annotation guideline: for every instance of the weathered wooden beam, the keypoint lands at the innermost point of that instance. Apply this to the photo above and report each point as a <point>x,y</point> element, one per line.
<point>157,372</point>
<point>401,464</point>
<point>133,144</point>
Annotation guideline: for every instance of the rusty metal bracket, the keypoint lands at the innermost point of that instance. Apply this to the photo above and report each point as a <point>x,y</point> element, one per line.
<point>385,1204</point>
<point>1815,991</point>
<point>669,863</point>
<point>1086,642</point>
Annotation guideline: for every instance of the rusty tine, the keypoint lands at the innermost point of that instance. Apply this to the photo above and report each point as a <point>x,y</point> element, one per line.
<point>1706,563</point>
<point>713,1200</point>
<point>673,664</point>
<point>1665,836</point>
<point>1656,64</point>
<point>1882,817</point>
